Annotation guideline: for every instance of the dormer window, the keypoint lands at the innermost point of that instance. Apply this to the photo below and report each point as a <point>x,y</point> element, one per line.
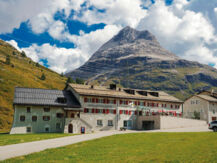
<point>156,94</point>
<point>62,100</point>
<point>130,91</point>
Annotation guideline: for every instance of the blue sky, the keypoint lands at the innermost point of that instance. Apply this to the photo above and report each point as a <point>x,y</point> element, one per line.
<point>63,34</point>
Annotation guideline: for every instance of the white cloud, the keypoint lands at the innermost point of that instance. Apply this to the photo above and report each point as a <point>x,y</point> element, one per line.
<point>13,12</point>
<point>181,30</point>
<point>118,12</point>
<point>57,30</point>
<point>59,59</point>
<point>14,44</point>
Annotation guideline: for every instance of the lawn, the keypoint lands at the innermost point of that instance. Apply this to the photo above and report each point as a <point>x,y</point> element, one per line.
<point>141,147</point>
<point>6,139</point>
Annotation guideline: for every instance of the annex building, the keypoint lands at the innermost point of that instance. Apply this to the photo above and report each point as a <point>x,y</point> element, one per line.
<point>202,106</point>
<point>88,108</point>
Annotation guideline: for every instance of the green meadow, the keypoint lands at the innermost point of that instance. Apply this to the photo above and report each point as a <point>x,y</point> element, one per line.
<point>139,147</point>
<point>6,139</point>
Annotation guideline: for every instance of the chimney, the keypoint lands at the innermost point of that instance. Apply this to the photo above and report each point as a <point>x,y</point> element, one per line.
<point>113,86</point>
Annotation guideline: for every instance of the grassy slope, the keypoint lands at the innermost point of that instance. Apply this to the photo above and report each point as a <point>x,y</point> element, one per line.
<point>24,74</point>
<point>143,147</point>
<point>6,139</point>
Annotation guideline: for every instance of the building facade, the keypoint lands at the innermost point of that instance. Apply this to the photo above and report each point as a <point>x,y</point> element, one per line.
<point>88,108</point>
<point>201,106</point>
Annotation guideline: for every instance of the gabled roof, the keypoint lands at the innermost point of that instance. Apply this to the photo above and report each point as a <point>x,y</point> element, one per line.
<point>45,97</point>
<point>101,91</point>
<point>208,98</point>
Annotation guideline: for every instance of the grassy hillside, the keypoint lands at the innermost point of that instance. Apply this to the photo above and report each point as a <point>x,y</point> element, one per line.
<point>22,72</point>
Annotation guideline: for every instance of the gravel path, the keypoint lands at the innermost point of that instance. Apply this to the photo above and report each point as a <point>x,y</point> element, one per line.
<point>15,150</point>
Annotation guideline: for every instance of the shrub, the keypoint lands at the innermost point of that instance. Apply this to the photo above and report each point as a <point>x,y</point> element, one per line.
<point>43,77</point>
<point>79,81</point>
<point>37,65</point>
<point>70,80</point>
<point>14,53</point>
<point>196,115</point>
<point>23,54</point>
<point>8,60</point>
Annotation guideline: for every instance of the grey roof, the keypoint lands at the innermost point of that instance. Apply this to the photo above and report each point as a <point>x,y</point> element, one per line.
<point>45,97</point>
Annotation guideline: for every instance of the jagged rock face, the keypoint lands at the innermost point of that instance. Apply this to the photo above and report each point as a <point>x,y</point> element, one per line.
<point>135,59</point>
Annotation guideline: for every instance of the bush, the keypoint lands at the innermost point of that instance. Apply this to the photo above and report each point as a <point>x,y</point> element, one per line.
<point>37,65</point>
<point>196,115</point>
<point>23,54</point>
<point>14,53</point>
<point>8,60</point>
<point>43,77</point>
<point>79,81</point>
<point>70,80</point>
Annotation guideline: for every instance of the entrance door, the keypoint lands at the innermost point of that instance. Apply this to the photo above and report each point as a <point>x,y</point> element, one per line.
<point>128,124</point>
<point>147,125</point>
<point>70,128</point>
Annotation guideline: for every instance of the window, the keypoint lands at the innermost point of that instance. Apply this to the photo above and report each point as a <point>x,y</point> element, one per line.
<point>34,118</point>
<point>59,115</point>
<point>99,123</point>
<point>28,129</point>
<point>100,100</point>
<point>58,126</point>
<point>46,129</point>
<point>62,100</point>
<point>28,110</point>
<point>22,118</point>
<point>46,118</point>
<point>46,109</point>
<point>110,122</point>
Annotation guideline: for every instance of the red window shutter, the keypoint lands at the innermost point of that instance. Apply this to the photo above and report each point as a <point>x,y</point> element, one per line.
<point>114,101</point>
<point>152,104</point>
<point>135,102</point>
<point>114,111</point>
<point>104,100</point>
<point>135,112</point>
<point>126,102</point>
<point>120,102</point>
<point>120,111</point>
<point>85,110</point>
<point>97,100</point>
<point>104,111</point>
<point>107,101</point>
<point>144,103</point>
<point>93,100</point>
<point>107,111</point>
<point>85,99</point>
<point>157,104</point>
<point>93,110</point>
<point>171,106</point>
<point>96,111</point>
<point>129,112</point>
<point>138,102</point>
<point>126,112</point>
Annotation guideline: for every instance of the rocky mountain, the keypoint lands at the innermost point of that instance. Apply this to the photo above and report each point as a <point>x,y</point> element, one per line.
<point>136,59</point>
<point>18,70</point>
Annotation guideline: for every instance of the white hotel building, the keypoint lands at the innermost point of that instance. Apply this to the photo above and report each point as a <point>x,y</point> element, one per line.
<point>89,108</point>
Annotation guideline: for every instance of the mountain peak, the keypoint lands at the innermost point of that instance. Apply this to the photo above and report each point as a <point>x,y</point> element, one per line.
<point>129,34</point>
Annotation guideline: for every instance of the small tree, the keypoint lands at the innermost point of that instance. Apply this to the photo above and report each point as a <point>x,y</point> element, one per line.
<point>196,115</point>
<point>8,60</point>
<point>70,80</point>
<point>62,74</point>
<point>37,64</point>
<point>14,53</point>
<point>79,81</point>
<point>43,77</point>
<point>23,54</point>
